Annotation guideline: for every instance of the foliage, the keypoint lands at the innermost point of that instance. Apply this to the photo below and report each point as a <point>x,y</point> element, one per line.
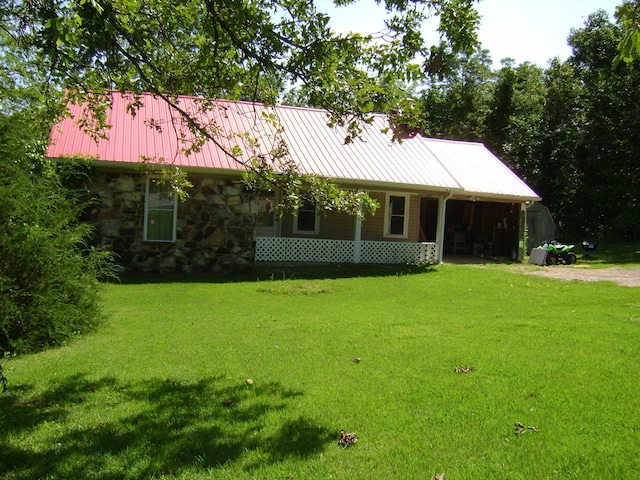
<point>249,49</point>
<point>163,392</point>
<point>456,105</point>
<point>561,133</point>
<point>515,113</point>
<point>628,16</point>
<point>48,275</point>
<point>570,130</point>
<point>607,155</point>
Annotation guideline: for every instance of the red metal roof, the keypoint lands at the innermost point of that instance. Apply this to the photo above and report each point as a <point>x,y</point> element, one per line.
<point>157,131</point>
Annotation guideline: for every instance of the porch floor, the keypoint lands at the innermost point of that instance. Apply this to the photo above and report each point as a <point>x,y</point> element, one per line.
<point>468,259</point>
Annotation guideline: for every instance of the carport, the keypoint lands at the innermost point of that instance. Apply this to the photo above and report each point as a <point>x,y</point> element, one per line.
<point>482,228</point>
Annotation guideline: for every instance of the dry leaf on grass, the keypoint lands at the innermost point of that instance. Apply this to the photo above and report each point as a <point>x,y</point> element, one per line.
<point>347,439</point>
<point>464,369</point>
<point>521,429</point>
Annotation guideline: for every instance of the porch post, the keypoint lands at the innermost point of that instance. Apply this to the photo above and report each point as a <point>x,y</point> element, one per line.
<point>442,208</point>
<point>357,236</point>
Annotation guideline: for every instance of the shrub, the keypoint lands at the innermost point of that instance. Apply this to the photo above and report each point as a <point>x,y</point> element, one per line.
<point>48,273</point>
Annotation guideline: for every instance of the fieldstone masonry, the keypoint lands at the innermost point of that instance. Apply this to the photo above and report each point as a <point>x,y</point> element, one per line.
<point>215,225</point>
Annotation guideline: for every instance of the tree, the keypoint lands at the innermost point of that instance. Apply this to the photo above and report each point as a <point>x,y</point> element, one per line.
<point>562,133</point>
<point>48,273</point>
<point>570,131</point>
<point>455,106</point>
<point>628,16</point>
<point>608,193</point>
<point>237,49</point>
<point>524,120</point>
<point>514,117</point>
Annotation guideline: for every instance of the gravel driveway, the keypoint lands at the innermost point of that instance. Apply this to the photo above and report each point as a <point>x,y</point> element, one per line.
<point>629,277</point>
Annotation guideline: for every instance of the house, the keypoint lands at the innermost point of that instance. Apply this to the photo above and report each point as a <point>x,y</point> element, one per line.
<point>436,196</point>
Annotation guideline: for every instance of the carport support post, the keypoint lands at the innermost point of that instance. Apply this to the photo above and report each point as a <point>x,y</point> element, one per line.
<point>442,209</point>
<point>522,231</point>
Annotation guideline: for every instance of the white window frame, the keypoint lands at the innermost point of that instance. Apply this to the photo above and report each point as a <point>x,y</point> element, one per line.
<point>387,215</point>
<point>316,223</point>
<point>146,215</point>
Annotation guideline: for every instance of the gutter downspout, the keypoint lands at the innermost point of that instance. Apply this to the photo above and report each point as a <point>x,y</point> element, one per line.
<point>442,209</point>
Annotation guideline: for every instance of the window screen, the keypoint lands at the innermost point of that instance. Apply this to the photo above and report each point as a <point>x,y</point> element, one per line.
<point>307,220</point>
<point>396,214</point>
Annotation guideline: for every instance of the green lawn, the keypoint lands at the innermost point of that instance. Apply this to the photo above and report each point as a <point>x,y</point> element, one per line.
<point>161,389</point>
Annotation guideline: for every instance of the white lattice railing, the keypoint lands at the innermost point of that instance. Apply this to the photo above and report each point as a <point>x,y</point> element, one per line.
<point>288,249</point>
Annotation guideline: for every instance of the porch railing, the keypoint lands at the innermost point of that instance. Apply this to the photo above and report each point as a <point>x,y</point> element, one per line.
<point>289,249</point>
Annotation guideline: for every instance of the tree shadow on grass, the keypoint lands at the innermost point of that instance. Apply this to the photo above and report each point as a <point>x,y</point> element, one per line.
<point>280,272</point>
<point>106,429</point>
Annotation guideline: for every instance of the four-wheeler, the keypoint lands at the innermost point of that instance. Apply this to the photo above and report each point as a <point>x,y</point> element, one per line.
<point>558,253</point>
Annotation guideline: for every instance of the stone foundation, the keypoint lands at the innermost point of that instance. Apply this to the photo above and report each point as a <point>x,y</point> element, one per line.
<point>215,225</point>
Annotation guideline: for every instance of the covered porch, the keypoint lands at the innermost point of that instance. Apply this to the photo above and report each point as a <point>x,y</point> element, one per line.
<point>340,238</point>
<point>434,223</point>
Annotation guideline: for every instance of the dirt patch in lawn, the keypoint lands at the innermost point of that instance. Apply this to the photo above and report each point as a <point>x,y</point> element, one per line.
<point>629,277</point>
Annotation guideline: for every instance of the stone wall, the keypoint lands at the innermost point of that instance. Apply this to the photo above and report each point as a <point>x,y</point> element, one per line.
<point>215,225</point>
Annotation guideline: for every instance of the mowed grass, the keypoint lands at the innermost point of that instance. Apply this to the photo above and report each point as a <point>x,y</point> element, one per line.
<point>160,391</point>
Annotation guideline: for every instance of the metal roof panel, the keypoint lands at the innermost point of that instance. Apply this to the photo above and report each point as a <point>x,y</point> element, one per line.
<point>477,170</point>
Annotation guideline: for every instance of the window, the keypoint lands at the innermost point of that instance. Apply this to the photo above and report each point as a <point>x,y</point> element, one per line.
<point>159,212</point>
<point>266,210</point>
<point>307,220</point>
<point>396,216</point>
<point>267,224</point>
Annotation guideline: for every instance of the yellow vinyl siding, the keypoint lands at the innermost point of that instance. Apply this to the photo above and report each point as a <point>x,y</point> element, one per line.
<point>333,226</point>
<point>373,227</point>
<point>340,226</point>
<point>414,219</point>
